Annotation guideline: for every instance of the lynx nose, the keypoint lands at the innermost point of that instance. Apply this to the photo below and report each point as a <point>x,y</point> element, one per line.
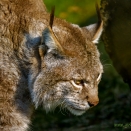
<point>93,100</point>
<point>91,104</point>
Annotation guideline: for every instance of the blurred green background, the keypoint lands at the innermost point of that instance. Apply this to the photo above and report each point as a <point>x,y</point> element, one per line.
<point>115,96</point>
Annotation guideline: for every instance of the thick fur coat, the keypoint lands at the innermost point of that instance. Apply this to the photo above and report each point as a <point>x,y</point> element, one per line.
<point>40,64</point>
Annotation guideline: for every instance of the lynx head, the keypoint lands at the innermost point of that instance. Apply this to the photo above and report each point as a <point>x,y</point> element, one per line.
<point>70,67</point>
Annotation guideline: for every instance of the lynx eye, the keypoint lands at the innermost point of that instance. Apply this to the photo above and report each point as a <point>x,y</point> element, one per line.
<point>77,83</point>
<point>99,77</point>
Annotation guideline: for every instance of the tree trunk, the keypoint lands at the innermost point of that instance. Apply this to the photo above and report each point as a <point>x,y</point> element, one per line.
<point>116,15</point>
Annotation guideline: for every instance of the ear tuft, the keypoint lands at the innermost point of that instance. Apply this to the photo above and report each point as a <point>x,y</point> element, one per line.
<point>52,17</point>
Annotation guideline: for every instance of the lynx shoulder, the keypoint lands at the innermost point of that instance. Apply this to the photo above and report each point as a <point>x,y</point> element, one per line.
<point>44,61</point>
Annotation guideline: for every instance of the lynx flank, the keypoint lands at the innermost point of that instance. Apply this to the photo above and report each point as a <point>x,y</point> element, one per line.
<point>44,61</point>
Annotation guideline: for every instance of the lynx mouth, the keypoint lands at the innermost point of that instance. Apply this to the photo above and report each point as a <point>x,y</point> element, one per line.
<point>76,111</point>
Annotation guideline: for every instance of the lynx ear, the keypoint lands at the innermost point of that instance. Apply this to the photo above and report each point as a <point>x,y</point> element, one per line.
<point>50,40</point>
<point>95,31</point>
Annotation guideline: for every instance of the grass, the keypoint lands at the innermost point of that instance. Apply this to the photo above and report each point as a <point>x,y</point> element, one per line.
<point>115,96</point>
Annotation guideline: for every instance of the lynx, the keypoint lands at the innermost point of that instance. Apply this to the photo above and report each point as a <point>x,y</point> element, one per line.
<point>44,61</point>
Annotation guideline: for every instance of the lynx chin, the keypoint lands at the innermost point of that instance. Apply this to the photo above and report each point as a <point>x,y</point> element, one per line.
<point>45,61</point>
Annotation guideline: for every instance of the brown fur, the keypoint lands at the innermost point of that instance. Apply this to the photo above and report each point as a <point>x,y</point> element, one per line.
<point>33,68</point>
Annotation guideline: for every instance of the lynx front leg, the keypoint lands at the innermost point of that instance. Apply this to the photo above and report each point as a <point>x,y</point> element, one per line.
<point>11,119</point>
<point>14,115</point>
<point>15,103</point>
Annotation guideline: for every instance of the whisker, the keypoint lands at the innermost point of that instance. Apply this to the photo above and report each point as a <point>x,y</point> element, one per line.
<point>107,65</point>
<point>61,108</point>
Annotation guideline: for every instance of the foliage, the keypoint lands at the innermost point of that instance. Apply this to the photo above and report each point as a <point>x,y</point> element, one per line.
<point>75,11</point>
<point>114,94</point>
